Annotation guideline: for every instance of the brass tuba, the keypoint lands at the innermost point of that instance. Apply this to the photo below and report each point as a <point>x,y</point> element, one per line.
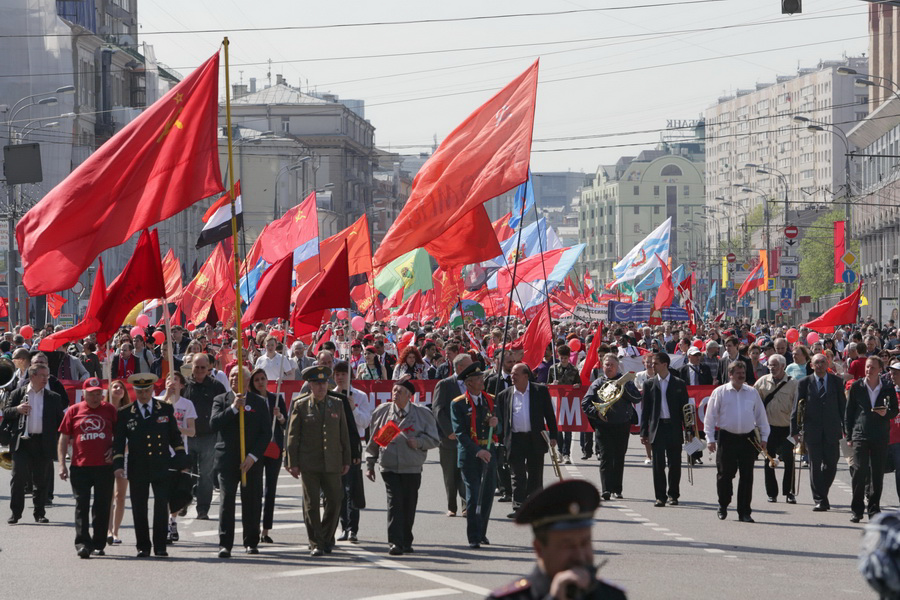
<point>610,393</point>
<point>7,376</point>
<point>6,459</point>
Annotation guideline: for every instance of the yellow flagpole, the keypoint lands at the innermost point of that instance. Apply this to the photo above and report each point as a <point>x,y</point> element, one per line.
<point>237,281</point>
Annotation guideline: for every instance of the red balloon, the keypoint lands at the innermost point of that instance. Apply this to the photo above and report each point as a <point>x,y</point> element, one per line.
<point>277,334</point>
<point>408,336</point>
<point>159,337</point>
<point>792,335</point>
<point>342,314</point>
<point>403,322</point>
<point>575,345</point>
<point>812,337</point>
<point>358,323</point>
<point>27,331</point>
<point>137,331</point>
<point>698,344</point>
<point>191,327</point>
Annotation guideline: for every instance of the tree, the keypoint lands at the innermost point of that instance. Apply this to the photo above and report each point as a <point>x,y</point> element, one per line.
<point>817,256</point>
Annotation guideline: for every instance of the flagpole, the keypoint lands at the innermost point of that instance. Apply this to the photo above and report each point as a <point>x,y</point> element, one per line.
<point>169,349</point>
<point>237,280</point>
<point>46,310</point>
<point>499,363</point>
<point>544,270</point>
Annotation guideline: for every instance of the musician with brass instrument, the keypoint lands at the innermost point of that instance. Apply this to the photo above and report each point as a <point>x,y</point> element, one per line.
<point>36,413</point>
<point>665,397</point>
<point>609,406</point>
<point>777,390</point>
<point>525,410</point>
<point>734,411</point>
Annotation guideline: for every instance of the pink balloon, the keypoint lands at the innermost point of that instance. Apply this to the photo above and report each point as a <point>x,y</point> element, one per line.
<point>27,331</point>
<point>812,337</point>
<point>342,314</point>
<point>403,322</point>
<point>142,320</point>
<point>358,323</point>
<point>137,331</point>
<point>159,337</point>
<point>575,345</point>
<point>792,335</point>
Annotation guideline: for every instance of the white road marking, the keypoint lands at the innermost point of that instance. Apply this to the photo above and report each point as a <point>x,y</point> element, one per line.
<point>640,519</point>
<point>685,539</point>
<point>660,529</point>
<point>714,550</point>
<point>651,524</point>
<point>413,595</point>
<point>433,577</point>
<point>309,571</point>
<point>239,529</point>
<point>672,534</point>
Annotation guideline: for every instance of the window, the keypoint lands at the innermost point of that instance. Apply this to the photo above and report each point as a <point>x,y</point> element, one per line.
<point>286,124</point>
<point>687,190</point>
<point>656,190</point>
<point>686,210</point>
<point>670,171</point>
<point>655,210</point>
<point>637,190</point>
<point>637,210</point>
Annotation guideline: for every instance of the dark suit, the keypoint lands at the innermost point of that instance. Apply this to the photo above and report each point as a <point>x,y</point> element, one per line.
<point>869,433</point>
<point>612,433</point>
<point>225,421</point>
<point>493,385</point>
<point>32,456</point>
<point>823,428</point>
<point>705,375</point>
<point>724,363</point>
<point>149,460</point>
<point>444,392</point>
<point>665,435</point>
<point>526,449</point>
<point>272,466</point>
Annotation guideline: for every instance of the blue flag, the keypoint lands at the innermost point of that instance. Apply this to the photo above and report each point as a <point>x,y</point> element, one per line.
<point>524,193</point>
<point>251,280</point>
<point>712,294</point>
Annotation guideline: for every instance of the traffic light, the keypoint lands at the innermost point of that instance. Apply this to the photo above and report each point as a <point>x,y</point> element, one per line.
<point>789,7</point>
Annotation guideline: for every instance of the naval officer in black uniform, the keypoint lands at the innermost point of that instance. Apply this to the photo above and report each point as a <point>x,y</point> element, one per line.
<point>561,517</point>
<point>149,429</point>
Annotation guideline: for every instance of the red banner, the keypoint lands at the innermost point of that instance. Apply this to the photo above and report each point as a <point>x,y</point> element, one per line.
<point>566,399</point>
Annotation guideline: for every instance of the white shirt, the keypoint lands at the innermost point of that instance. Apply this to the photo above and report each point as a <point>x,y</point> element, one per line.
<point>693,374</point>
<point>184,410</point>
<point>36,417</point>
<point>663,388</point>
<point>735,411</point>
<point>521,410</point>
<point>362,409</point>
<point>873,392</point>
<point>275,366</point>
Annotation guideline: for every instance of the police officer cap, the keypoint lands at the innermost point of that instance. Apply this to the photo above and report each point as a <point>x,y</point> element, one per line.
<point>316,373</point>
<point>471,371</point>
<point>565,505</point>
<point>142,381</point>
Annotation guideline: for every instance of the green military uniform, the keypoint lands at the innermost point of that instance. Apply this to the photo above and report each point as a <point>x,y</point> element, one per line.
<point>564,375</point>
<point>318,444</point>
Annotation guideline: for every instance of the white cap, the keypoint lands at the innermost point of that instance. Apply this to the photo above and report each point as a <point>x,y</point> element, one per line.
<point>693,350</point>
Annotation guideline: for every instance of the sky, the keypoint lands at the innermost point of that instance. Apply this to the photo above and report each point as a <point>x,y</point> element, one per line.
<point>612,73</point>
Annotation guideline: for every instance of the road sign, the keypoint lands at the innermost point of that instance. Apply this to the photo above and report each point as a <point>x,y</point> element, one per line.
<point>66,320</point>
<point>849,259</point>
<point>787,293</point>
<point>731,257</point>
<point>786,303</point>
<point>848,276</point>
<point>791,231</point>
<point>770,284</point>
<point>790,271</point>
<point>693,264</point>
<point>787,259</point>
<point>804,299</point>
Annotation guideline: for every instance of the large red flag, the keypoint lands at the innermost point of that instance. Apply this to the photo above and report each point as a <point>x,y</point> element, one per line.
<point>469,240</point>
<point>538,334</point>
<point>4,309</point>
<point>88,324</point>
<point>298,226</point>
<point>844,312</point>
<point>591,360</point>
<point>502,229</point>
<point>141,279</point>
<point>273,293</point>
<point>172,275</point>
<point>485,156</point>
<point>198,295</point>
<point>840,248</point>
<point>666,292</point>
<point>359,246</point>
<point>328,289</point>
<point>529,269</point>
<point>54,304</point>
<point>158,165</point>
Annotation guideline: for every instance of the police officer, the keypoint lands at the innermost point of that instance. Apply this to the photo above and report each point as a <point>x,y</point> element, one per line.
<point>475,424</point>
<point>318,451</point>
<point>561,517</point>
<point>149,429</point>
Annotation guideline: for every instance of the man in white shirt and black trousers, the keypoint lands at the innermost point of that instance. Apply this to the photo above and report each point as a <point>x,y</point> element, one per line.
<point>736,410</point>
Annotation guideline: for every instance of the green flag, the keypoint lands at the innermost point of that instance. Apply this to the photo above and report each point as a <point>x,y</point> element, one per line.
<point>412,272</point>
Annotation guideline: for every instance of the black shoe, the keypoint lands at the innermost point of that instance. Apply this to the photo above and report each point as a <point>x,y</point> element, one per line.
<point>855,518</point>
<point>585,456</point>
<point>99,553</point>
<point>345,535</point>
<point>475,546</point>
<point>224,553</point>
<point>203,517</point>
<point>12,520</point>
<point>41,520</point>
<point>872,513</point>
<point>161,553</point>
<point>511,515</point>
<point>251,550</point>
<point>266,540</point>
<point>183,512</point>
<point>606,495</point>
<point>109,540</point>
<point>143,553</point>
<point>485,541</point>
<point>699,461</point>
<point>617,495</point>
<point>353,539</point>
<point>673,501</point>
<point>84,552</point>
<point>746,519</point>
<point>790,499</point>
<point>659,503</point>
<point>395,550</point>
<point>819,507</point>
<point>317,552</point>
<point>722,513</point>
<point>48,503</point>
<point>407,549</point>
<point>773,499</point>
<point>505,498</point>
<point>328,548</point>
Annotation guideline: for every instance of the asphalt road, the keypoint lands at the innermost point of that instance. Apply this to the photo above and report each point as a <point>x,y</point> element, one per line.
<point>671,552</point>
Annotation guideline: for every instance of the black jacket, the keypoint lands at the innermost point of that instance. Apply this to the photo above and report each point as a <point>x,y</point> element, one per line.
<point>651,409</point>
<point>202,395</point>
<point>620,413</point>
<point>725,361</point>
<point>54,409</point>
<point>823,417</point>
<point>861,422</point>
<point>540,411</point>
<point>445,392</point>
<point>226,423</point>
<point>706,377</point>
<point>148,441</point>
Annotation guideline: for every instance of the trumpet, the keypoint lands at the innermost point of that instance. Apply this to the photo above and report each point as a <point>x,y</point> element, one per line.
<point>610,393</point>
<point>756,440</point>
<point>689,415</point>
<point>800,449</point>
<point>554,457</point>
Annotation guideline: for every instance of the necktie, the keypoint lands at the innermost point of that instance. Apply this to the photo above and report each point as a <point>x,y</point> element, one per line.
<point>821,386</point>
<point>146,409</point>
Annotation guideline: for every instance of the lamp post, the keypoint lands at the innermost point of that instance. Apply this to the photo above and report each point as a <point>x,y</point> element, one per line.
<point>276,212</point>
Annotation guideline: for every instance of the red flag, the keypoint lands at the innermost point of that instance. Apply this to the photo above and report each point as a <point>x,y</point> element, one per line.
<point>485,156</point>
<point>754,280</point>
<point>198,295</point>
<point>140,280</point>
<point>685,286</point>
<point>54,304</point>
<point>4,309</point>
<point>325,337</point>
<point>273,293</point>
<point>359,246</point>
<point>328,289</point>
<point>395,300</point>
<point>840,248</point>
<point>298,226</point>
<point>172,275</point>
<point>666,292</point>
<point>469,240</point>
<point>844,312</point>
<point>412,306</point>
<point>159,164</point>
<point>502,229</point>
<point>362,295</point>
<point>87,325</point>
<point>591,359</point>
<point>538,334</point>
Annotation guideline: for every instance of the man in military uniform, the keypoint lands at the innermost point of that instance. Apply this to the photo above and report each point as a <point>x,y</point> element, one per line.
<point>149,429</point>
<point>561,517</point>
<point>318,450</point>
<point>475,424</point>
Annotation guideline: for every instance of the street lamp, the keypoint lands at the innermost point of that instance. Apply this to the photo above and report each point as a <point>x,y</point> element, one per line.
<point>276,213</point>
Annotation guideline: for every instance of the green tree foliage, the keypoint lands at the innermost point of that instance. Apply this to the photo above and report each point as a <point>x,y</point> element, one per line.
<point>817,256</point>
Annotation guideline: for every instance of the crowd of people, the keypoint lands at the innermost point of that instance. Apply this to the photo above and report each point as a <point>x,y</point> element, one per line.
<point>174,426</point>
